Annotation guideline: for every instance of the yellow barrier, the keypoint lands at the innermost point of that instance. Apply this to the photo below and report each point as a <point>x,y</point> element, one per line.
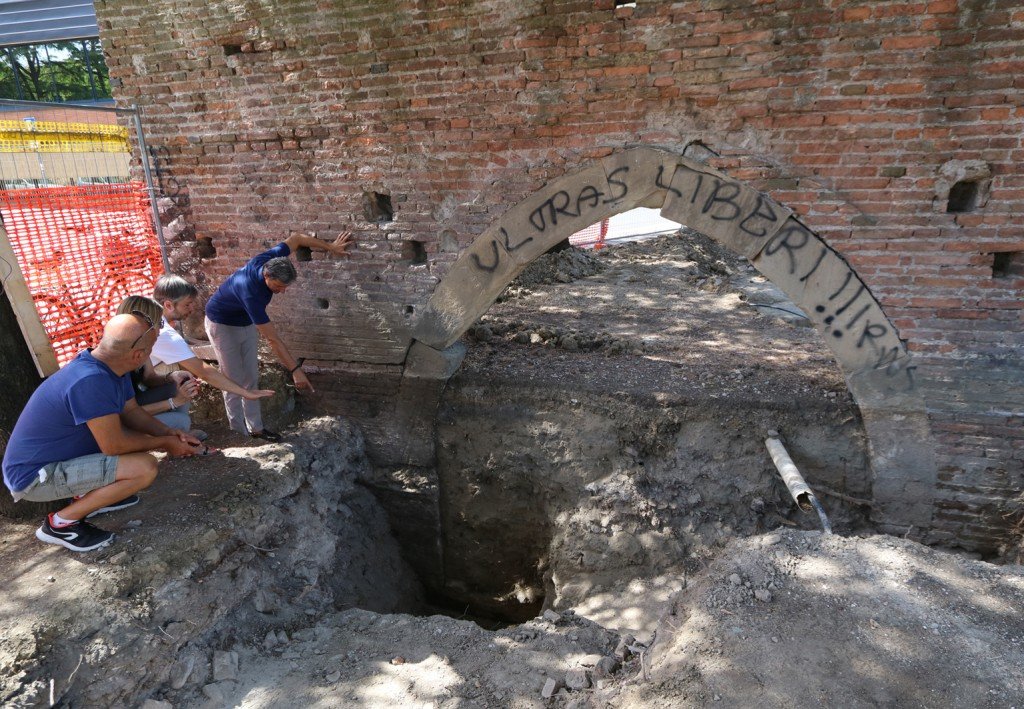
<point>54,137</point>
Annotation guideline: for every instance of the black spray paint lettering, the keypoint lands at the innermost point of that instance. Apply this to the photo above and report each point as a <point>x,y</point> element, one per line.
<point>768,215</point>
<point>872,331</point>
<point>784,241</point>
<point>589,197</point>
<point>794,238</point>
<point>509,248</point>
<point>731,191</point>
<point>658,182</point>
<point>843,299</point>
<point>888,357</point>
<point>721,203</point>
<point>821,257</point>
<point>850,278</point>
<point>537,217</point>
<point>623,187</point>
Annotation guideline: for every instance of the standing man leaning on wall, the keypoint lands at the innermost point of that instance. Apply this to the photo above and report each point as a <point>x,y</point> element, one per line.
<point>236,316</point>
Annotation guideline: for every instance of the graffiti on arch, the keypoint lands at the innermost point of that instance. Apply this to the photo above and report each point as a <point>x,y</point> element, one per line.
<point>741,218</point>
<point>833,296</point>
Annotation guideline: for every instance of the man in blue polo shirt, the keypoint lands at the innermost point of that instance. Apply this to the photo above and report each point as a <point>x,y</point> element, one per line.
<point>236,316</point>
<point>82,435</point>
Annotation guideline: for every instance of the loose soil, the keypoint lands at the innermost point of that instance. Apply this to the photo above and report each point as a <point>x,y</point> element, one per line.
<point>601,464</point>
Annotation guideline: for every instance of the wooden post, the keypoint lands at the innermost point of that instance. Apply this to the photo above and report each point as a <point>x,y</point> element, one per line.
<point>24,309</point>
<point>18,373</point>
<point>25,358</point>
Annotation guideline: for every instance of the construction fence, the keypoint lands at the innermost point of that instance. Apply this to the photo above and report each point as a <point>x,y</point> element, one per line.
<point>81,229</point>
<point>635,225</point>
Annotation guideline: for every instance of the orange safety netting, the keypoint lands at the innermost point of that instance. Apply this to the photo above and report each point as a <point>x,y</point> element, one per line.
<point>594,235</point>
<point>82,251</point>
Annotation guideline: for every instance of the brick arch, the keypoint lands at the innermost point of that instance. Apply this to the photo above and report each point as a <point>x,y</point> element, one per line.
<point>878,369</point>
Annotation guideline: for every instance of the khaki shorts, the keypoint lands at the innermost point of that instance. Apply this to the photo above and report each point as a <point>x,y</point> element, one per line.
<point>72,477</point>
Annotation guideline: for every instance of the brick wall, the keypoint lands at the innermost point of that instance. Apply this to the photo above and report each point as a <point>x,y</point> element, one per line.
<point>863,118</point>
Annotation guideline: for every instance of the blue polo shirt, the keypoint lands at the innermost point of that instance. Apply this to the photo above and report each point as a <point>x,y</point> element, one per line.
<point>52,428</point>
<point>243,298</point>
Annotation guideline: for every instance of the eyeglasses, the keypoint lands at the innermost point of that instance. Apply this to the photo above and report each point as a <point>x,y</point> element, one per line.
<point>149,321</point>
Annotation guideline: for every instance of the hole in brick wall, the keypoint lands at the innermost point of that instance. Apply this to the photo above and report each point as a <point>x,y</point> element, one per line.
<point>205,248</point>
<point>230,49</point>
<point>963,197</point>
<point>410,309</point>
<point>377,207</point>
<point>323,303</point>
<point>1007,263</point>
<point>414,252</point>
<point>624,3</point>
<point>303,253</point>
<point>449,241</point>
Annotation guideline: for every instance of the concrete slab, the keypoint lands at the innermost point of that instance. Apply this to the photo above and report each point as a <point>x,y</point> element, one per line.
<point>428,363</point>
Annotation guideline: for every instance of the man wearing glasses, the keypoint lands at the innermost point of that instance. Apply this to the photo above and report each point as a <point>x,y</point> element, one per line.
<point>236,317</point>
<point>82,435</point>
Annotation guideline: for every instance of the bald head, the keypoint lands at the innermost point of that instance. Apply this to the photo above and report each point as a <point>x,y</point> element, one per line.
<point>123,330</point>
<point>126,344</point>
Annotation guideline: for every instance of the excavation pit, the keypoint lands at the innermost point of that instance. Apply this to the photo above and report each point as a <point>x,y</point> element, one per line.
<point>601,506</point>
<point>608,423</point>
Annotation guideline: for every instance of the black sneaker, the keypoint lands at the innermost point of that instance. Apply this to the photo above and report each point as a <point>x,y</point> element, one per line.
<point>115,506</point>
<point>267,435</point>
<point>80,536</point>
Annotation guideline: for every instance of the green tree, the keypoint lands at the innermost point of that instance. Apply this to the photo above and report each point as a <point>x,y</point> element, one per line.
<point>60,71</point>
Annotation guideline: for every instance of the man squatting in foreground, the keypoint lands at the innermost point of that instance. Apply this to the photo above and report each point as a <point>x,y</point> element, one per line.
<point>83,435</point>
<point>236,315</point>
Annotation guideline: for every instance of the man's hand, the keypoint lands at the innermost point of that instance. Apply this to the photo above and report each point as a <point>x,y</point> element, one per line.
<point>184,437</point>
<point>182,445</point>
<point>179,376</point>
<point>188,387</point>
<point>301,381</point>
<point>341,245</point>
<point>253,394</point>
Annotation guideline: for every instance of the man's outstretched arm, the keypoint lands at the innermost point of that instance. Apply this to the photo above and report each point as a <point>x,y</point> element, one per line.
<point>284,356</point>
<point>213,376</point>
<point>338,247</point>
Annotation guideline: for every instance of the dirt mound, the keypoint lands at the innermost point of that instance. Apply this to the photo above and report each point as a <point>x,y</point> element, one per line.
<point>263,536</point>
<point>232,598</point>
<point>564,266</point>
<point>708,256</point>
<point>802,619</point>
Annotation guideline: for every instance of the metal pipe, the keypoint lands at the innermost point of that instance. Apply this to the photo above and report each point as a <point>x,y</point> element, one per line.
<point>802,494</point>
<point>68,104</point>
<point>144,156</point>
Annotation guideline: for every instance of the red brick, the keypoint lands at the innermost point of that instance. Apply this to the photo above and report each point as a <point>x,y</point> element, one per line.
<point>910,42</point>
